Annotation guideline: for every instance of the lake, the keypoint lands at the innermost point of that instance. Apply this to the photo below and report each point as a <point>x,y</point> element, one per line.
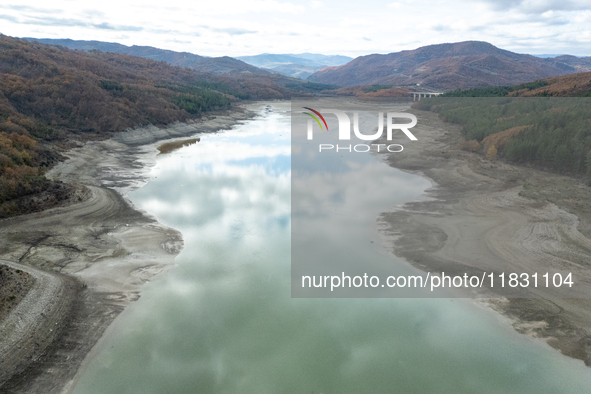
<point>223,320</point>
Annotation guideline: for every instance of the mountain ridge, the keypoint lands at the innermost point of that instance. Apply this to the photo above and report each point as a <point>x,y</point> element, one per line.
<point>211,65</point>
<point>449,66</point>
<point>242,78</point>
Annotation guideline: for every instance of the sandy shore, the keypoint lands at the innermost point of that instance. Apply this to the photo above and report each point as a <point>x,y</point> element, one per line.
<point>88,258</point>
<point>490,216</point>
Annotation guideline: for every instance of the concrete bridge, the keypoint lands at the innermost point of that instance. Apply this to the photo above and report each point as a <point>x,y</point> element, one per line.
<point>424,94</point>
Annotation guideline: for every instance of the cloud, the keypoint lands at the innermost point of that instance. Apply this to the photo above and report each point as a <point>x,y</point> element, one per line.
<point>349,22</point>
<point>271,5</point>
<point>232,7</point>
<point>63,22</point>
<point>46,21</point>
<point>178,41</point>
<point>503,5</point>
<point>9,18</point>
<point>95,13</point>
<point>395,5</point>
<point>233,31</point>
<point>32,9</point>
<point>108,26</point>
<point>441,28</point>
<point>398,4</point>
<point>478,28</point>
<point>273,25</point>
<point>172,32</point>
<point>539,6</point>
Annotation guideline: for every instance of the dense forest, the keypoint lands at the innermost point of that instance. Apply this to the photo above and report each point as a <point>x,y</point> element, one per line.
<point>553,133</point>
<point>50,94</point>
<point>497,91</point>
<point>571,85</point>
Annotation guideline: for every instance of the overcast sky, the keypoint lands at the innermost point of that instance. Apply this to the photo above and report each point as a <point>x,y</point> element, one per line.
<point>234,28</point>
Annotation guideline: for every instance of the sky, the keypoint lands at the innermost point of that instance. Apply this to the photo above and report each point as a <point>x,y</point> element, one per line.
<point>352,28</point>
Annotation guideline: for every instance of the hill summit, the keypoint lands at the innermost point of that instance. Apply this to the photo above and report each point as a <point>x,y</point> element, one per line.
<point>450,66</point>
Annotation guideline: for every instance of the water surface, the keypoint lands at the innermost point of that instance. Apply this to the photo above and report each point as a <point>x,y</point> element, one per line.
<point>223,320</point>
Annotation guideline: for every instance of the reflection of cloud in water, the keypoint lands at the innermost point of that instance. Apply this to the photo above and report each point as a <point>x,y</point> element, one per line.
<point>227,180</point>
<point>208,194</point>
<point>375,186</point>
<point>223,321</point>
<point>221,153</point>
<point>337,196</point>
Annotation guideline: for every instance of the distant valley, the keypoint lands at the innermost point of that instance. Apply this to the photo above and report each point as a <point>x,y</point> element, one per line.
<point>441,67</point>
<point>300,66</point>
<point>248,80</point>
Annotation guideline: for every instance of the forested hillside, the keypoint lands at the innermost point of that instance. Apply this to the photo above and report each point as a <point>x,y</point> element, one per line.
<point>230,75</point>
<point>549,133</point>
<point>449,66</point>
<point>50,95</point>
<point>572,85</point>
<point>212,65</point>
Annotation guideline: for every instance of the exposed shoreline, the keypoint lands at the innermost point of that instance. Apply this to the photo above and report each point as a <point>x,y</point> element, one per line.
<point>492,216</point>
<point>95,253</point>
<point>111,248</point>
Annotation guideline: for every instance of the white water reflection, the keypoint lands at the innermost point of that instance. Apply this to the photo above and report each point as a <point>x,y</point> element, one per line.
<point>223,321</point>
<point>336,197</point>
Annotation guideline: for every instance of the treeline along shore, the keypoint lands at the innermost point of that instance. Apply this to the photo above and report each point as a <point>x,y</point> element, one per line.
<point>67,119</point>
<point>511,194</point>
<point>53,98</point>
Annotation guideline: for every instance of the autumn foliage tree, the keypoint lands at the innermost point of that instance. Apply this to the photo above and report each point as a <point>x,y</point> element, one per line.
<point>491,154</point>
<point>20,173</point>
<point>49,95</point>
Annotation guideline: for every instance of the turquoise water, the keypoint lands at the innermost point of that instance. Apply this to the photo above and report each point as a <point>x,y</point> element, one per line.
<point>223,321</point>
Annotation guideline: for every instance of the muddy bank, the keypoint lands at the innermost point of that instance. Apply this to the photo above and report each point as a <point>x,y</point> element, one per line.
<point>36,322</point>
<point>88,258</point>
<point>15,284</point>
<point>490,216</point>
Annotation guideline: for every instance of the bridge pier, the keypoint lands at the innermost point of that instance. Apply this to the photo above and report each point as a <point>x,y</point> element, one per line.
<point>424,94</point>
